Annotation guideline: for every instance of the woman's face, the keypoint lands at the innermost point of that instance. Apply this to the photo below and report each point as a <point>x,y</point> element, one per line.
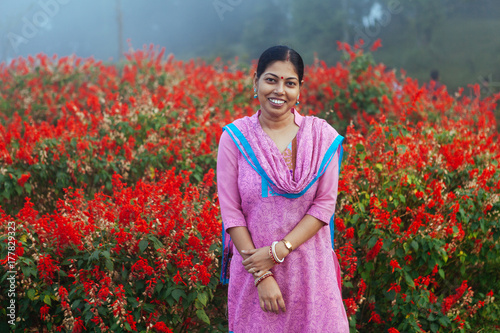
<point>277,88</point>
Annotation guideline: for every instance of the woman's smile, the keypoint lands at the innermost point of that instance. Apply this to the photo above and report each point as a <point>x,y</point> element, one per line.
<point>277,102</point>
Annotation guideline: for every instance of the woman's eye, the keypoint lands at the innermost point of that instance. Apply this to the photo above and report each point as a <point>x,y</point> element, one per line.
<point>270,80</point>
<point>291,83</point>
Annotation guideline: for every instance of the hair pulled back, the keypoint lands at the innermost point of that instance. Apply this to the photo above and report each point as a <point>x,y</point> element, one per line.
<point>280,53</point>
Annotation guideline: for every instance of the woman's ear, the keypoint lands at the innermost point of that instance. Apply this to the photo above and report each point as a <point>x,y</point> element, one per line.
<point>255,80</point>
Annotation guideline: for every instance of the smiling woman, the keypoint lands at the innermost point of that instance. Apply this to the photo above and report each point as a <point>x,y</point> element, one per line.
<point>277,175</point>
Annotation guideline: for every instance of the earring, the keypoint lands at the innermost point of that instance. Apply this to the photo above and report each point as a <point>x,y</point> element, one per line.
<point>297,101</point>
<point>255,91</point>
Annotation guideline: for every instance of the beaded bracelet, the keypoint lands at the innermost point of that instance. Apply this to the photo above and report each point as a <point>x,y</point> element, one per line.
<point>275,256</point>
<point>262,277</point>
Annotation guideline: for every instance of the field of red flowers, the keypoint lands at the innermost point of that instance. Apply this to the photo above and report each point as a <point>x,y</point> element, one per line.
<point>108,205</point>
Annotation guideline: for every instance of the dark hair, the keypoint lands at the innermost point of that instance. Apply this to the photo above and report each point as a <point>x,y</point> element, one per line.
<point>435,74</point>
<point>280,53</point>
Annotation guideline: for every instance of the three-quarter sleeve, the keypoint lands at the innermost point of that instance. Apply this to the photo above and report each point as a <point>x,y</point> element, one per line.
<point>227,183</point>
<point>323,205</point>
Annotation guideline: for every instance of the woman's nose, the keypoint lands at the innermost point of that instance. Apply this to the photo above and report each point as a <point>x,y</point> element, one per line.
<point>279,88</point>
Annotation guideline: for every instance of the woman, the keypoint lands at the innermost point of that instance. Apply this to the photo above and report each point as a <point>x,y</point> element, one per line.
<point>277,175</point>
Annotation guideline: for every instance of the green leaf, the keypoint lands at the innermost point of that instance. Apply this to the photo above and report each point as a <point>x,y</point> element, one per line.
<point>27,186</point>
<point>177,293</point>
<point>444,321</point>
<point>46,300</point>
<point>27,271</point>
<point>203,316</point>
<point>156,242</point>
<point>360,147</point>
<point>198,305</point>
<point>347,284</point>
<point>409,280</point>
<point>414,244</point>
<point>95,255</point>
<point>441,273</point>
<point>372,242</point>
<point>106,254</point>
<point>203,298</point>
<point>402,198</point>
<point>143,244</point>
<point>31,294</point>
<point>109,265</point>
<point>75,304</point>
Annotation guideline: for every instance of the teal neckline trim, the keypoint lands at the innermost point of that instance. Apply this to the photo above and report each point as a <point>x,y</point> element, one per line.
<point>247,152</point>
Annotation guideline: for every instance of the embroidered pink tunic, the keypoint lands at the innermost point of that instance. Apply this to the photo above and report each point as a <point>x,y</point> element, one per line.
<point>309,278</point>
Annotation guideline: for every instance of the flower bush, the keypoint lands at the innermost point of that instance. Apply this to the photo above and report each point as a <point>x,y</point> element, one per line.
<point>79,122</point>
<point>418,227</point>
<point>144,258</point>
<point>107,173</point>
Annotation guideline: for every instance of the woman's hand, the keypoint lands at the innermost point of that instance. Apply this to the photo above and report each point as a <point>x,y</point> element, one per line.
<point>258,261</point>
<point>270,297</point>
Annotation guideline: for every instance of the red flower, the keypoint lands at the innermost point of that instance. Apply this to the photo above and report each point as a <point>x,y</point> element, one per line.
<point>130,320</point>
<point>23,179</point>
<point>141,269</point>
<point>79,325</point>
<point>396,287</point>
<point>339,224</point>
<point>376,318</point>
<point>63,293</point>
<point>178,278</point>
<point>349,233</point>
<point>376,45</point>
<point>44,311</point>
<point>392,330</point>
<point>162,327</point>
<point>394,264</point>
<point>375,250</point>
<point>46,268</point>
<point>351,306</point>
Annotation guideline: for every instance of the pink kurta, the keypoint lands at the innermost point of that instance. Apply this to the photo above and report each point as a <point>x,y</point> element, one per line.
<point>309,276</point>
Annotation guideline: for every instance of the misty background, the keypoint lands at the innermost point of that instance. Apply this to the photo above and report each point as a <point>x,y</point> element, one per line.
<point>460,38</point>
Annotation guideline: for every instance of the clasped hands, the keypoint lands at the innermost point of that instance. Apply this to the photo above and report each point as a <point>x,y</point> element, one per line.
<point>257,262</point>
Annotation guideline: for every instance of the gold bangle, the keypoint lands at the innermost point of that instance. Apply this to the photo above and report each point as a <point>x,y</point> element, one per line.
<point>288,245</point>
